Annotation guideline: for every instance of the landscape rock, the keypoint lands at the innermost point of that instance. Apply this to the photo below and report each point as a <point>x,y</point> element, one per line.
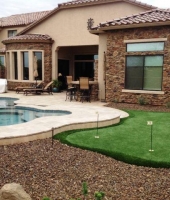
<point>13,191</point>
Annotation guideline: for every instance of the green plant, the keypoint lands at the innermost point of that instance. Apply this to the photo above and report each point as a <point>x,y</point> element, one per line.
<point>168,104</point>
<point>57,83</point>
<point>85,189</point>
<point>115,100</point>
<point>141,100</point>
<point>99,195</point>
<point>46,198</point>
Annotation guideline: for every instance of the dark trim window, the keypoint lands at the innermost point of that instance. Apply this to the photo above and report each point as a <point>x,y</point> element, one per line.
<point>25,66</point>
<point>144,72</point>
<point>15,65</point>
<point>84,66</point>
<point>12,33</point>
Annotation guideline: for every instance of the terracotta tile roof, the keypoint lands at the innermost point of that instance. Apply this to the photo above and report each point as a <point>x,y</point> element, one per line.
<point>28,37</point>
<point>21,19</point>
<point>77,2</point>
<point>152,16</point>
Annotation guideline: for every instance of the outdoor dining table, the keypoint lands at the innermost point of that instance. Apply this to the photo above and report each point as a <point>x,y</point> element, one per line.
<point>90,82</point>
<point>93,88</point>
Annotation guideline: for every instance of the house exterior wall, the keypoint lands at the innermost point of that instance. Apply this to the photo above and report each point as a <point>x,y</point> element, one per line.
<point>47,64</point>
<point>68,26</point>
<point>115,65</point>
<point>4,33</point>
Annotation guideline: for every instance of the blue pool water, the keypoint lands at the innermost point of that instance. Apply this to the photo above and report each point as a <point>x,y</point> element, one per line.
<point>9,114</point>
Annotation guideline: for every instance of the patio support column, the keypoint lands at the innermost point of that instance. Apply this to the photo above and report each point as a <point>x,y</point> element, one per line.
<point>55,65</point>
<point>101,75</point>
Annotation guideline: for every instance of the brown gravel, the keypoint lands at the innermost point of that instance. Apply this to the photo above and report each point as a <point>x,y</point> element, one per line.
<point>58,172</point>
<point>127,106</point>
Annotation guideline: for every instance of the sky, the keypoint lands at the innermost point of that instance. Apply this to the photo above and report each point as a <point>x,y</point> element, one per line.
<point>12,7</point>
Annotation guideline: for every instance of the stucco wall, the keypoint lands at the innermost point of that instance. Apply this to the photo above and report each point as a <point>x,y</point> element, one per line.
<point>68,27</point>
<point>4,33</point>
<point>115,65</point>
<point>46,47</point>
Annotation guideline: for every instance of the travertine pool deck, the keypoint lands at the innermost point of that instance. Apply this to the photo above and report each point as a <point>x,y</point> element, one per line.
<point>83,115</point>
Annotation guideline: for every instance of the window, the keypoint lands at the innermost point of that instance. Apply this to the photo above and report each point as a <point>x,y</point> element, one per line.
<point>15,66</point>
<point>146,46</point>
<point>39,64</point>
<point>20,65</point>
<point>2,61</point>
<point>12,33</point>
<point>144,72</point>
<point>25,66</point>
<point>84,66</point>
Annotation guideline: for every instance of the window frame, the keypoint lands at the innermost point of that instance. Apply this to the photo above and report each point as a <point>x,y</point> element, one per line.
<point>145,43</point>
<point>14,32</point>
<point>23,64</point>
<point>10,65</point>
<point>125,82</point>
<point>3,64</point>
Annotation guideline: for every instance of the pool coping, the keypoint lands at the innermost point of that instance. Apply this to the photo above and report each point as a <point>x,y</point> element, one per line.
<point>83,116</point>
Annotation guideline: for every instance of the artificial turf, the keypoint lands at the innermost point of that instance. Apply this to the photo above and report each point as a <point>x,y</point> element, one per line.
<point>130,140</point>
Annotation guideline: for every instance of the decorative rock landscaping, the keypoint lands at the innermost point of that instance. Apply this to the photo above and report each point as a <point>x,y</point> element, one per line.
<point>58,172</point>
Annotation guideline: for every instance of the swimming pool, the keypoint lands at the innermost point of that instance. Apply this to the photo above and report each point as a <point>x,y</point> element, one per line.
<point>10,114</point>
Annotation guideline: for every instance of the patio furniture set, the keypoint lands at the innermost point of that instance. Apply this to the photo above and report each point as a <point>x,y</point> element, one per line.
<point>76,90</point>
<point>36,89</point>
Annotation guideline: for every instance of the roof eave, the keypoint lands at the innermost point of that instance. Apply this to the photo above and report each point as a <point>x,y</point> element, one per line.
<point>143,5</point>
<point>104,29</point>
<point>13,26</point>
<point>83,4</point>
<point>27,41</point>
<point>29,27</point>
<point>97,32</point>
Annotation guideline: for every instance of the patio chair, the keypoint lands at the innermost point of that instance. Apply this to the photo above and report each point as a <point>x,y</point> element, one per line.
<point>84,89</point>
<point>33,85</point>
<point>70,91</point>
<point>47,88</point>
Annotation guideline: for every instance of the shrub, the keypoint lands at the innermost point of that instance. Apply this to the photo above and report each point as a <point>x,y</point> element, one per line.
<point>168,104</point>
<point>141,100</point>
<point>46,198</point>
<point>99,195</point>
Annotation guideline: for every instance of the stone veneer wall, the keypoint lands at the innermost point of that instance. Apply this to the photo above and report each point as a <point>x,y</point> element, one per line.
<point>96,70</point>
<point>115,64</point>
<point>47,47</point>
<point>95,88</point>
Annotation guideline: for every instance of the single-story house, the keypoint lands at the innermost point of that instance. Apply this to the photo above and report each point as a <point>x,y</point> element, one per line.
<point>135,52</point>
<point>62,43</point>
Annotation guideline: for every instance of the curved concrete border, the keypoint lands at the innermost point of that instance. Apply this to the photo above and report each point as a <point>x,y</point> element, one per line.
<point>83,116</point>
